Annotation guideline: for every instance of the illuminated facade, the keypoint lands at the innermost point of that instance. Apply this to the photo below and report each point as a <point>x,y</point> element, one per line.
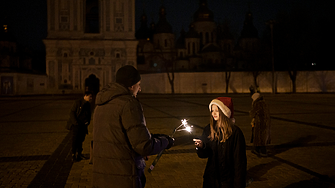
<point>87,42</point>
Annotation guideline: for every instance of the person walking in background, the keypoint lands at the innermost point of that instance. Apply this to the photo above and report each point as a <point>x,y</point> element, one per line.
<point>260,123</point>
<point>80,118</point>
<point>223,143</point>
<point>121,139</point>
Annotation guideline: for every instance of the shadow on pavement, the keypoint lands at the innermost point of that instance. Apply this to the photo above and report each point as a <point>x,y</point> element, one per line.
<point>300,142</point>
<point>314,182</point>
<point>258,171</point>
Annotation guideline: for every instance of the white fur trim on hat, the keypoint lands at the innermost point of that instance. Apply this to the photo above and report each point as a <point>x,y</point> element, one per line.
<point>255,96</point>
<point>226,111</point>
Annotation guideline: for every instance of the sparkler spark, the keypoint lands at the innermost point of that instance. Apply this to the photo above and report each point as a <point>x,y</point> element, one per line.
<point>188,129</point>
<point>184,126</point>
<point>184,121</point>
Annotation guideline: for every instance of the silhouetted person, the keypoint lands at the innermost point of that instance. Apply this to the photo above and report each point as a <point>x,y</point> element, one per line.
<point>261,124</point>
<point>80,117</point>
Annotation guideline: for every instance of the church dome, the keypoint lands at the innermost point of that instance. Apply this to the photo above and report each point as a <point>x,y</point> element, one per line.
<point>163,25</point>
<point>192,33</point>
<point>203,13</point>
<point>249,30</point>
<point>223,32</point>
<point>6,34</point>
<point>143,31</point>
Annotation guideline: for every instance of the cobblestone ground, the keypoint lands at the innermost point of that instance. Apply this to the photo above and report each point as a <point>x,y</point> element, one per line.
<point>35,147</point>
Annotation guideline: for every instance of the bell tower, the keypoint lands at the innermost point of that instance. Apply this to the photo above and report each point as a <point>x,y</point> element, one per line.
<point>88,38</point>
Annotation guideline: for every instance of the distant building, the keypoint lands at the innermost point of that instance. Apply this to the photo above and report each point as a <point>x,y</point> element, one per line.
<point>206,46</point>
<point>16,74</point>
<point>87,42</point>
<point>9,58</point>
<point>248,44</point>
<point>156,44</point>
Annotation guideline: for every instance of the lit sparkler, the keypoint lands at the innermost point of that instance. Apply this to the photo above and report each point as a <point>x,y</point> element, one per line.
<point>184,126</point>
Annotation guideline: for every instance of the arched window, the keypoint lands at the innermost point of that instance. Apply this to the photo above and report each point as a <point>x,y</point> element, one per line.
<point>193,48</point>
<point>117,54</point>
<point>92,16</point>
<point>91,61</point>
<point>92,83</point>
<point>207,37</point>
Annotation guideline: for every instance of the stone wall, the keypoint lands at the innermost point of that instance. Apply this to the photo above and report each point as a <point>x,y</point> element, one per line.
<point>214,82</point>
<point>23,84</point>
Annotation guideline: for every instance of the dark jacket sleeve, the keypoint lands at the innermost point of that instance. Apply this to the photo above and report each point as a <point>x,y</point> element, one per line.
<point>137,132</point>
<point>240,160</point>
<point>73,113</point>
<point>89,114</point>
<point>84,113</point>
<point>205,151</point>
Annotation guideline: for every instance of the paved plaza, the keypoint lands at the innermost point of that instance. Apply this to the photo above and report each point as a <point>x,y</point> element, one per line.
<point>35,147</point>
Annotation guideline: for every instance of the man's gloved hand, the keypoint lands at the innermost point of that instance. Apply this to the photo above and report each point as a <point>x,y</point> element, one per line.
<point>170,139</point>
<point>158,135</point>
<point>171,142</point>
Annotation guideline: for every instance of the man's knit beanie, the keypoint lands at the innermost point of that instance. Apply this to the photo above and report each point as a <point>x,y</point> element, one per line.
<point>127,76</point>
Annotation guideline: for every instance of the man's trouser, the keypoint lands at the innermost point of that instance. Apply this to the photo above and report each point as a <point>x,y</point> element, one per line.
<point>78,137</point>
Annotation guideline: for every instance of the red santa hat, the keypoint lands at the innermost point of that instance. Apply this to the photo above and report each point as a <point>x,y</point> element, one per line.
<point>225,104</point>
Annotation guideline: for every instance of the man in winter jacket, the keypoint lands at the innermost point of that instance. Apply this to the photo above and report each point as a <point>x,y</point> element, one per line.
<point>80,117</point>
<point>121,139</point>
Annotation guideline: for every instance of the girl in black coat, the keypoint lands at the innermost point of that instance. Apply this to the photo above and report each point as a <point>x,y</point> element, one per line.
<point>223,143</point>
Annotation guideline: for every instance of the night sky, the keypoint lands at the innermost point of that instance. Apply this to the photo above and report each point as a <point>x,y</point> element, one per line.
<point>180,12</point>
<point>27,18</point>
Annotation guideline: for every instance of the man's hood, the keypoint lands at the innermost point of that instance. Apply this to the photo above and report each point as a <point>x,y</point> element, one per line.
<point>109,92</point>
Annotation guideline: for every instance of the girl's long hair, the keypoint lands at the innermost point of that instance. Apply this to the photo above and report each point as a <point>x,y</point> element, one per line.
<point>220,129</point>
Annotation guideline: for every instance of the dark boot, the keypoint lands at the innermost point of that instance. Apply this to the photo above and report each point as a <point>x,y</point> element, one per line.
<point>263,152</point>
<point>255,150</point>
<point>80,157</point>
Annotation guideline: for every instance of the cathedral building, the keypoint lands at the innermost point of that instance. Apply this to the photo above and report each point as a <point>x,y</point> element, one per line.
<point>87,42</point>
<point>206,46</point>
<point>156,49</point>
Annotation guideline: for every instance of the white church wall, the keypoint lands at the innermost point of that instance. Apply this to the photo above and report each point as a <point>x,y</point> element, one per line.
<point>152,81</point>
<point>321,81</point>
<point>25,84</point>
<point>214,82</point>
